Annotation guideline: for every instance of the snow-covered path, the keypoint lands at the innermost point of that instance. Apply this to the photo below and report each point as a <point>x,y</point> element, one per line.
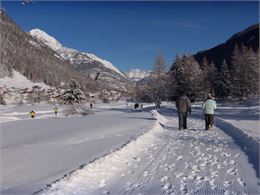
<point>169,162</point>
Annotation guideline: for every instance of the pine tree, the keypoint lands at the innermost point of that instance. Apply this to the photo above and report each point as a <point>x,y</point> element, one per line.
<point>251,64</point>
<point>188,76</point>
<point>208,78</point>
<point>245,72</point>
<point>222,81</point>
<point>73,94</point>
<point>236,72</point>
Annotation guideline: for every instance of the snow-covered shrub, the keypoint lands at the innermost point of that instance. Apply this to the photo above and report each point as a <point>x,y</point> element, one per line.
<point>105,100</point>
<point>73,94</point>
<point>2,101</point>
<point>77,109</point>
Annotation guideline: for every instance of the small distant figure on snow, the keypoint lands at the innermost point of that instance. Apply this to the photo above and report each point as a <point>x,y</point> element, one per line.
<point>209,107</point>
<point>183,106</point>
<point>141,106</point>
<point>136,105</point>
<point>55,110</point>
<point>158,104</point>
<point>241,99</point>
<point>91,105</point>
<point>32,114</point>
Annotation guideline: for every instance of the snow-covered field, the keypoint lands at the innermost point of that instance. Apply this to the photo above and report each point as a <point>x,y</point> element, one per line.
<point>118,151</point>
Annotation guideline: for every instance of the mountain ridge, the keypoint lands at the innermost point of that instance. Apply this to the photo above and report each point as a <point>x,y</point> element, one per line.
<point>55,45</point>
<point>248,37</point>
<point>86,63</point>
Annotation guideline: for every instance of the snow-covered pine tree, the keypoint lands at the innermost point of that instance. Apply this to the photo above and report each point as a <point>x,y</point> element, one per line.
<point>188,76</point>
<point>222,81</point>
<point>245,72</point>
<point>237,70</point>
<point>73,94</point>
<point>208,73</point>
<point>251,64</point>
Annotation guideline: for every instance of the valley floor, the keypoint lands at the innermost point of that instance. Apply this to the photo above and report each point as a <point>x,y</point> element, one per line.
<point>125,152</point>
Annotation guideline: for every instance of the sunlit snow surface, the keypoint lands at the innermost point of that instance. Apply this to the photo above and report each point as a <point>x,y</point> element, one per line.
<point>19,81</point>
<point>122,151</point>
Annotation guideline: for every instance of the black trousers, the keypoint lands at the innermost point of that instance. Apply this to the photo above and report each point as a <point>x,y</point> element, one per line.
<point>209,120</point>
<point>182,120</point>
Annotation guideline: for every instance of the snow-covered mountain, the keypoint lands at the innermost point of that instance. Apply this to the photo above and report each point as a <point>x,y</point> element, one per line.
<point>89,64</point>
<point>137,74</point>
<point>21,53</point>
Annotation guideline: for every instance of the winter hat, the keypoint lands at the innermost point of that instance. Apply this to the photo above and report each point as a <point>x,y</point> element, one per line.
<point>209,95</point>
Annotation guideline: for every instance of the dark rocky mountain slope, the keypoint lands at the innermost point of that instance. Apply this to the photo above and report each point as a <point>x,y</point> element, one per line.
<point>248,37</point>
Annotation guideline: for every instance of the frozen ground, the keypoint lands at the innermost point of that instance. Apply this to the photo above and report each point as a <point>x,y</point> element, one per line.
<point>124,152</point>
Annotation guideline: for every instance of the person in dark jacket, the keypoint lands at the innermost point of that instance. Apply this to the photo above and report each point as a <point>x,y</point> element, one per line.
<point>136,105</point>
<point>183,106</point>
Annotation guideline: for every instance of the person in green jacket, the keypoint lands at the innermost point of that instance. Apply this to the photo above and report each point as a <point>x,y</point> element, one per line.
<point>209,107</point>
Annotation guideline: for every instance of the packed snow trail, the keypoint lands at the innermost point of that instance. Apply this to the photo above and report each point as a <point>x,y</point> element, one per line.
<point>171,162</point>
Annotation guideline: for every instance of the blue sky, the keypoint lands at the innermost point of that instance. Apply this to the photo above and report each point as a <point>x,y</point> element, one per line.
<point>129,34</point>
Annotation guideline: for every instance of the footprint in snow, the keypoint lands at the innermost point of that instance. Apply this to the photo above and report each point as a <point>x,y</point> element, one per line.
<point>146,174</point>
<point>183,188</point>
<point>237,155</point>
<point>178,175</point>
<point>206,178</point>
<point>102,183</point>
<point>128,163</point>
<point>137,185</point>
<point>179,157</point>
<point>199,178</point>
<point>228,192</point>
<point>164,179</point>
<point>224,154</point>
<point>214,174</point>
<point>240,181</point>
<point>227,184</point>
<point>212,184</point>
<point>137,159</point>
<point>130,172</point>
<point>192,177</point>
<point>232,171</point>
<point>166,186</point>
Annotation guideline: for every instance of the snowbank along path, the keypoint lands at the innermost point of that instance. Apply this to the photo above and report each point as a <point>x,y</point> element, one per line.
<point>167,161</point>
